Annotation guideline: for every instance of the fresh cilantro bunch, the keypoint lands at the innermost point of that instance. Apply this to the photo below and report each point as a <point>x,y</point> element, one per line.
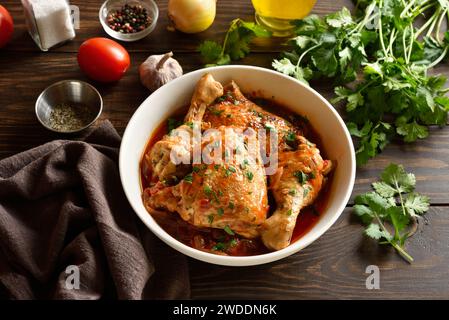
<point>332,47</point>
<point>412,101</point>
<point>380,59</point>
<point>391,208</point>
<point>235,45</point>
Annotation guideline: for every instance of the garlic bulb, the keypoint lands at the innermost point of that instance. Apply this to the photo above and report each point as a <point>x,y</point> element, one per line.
<point>157,70</point>
<point>192,16</point>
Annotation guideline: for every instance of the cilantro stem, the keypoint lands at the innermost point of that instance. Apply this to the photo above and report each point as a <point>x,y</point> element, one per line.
<point>404,35</point>
<point>393,243</point>
<point>438,60</point>
<point>412,40</point>
<point>407,8</point>
<point>400,196</point>
<point>423,28</point>
<point>231,28</point>
<point>305,52</point>
<point>367,18</point>
<point>440,22</point>
<point>434,21</point>
<point>393,36</point>
<point>381,34</point>
<point>402,252</point>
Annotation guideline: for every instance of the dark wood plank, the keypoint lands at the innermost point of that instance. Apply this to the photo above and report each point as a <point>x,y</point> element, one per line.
<point>160,39</point>
<point>334,267</point>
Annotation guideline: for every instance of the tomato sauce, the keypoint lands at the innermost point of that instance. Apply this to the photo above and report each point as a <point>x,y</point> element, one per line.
<point>215,240</point>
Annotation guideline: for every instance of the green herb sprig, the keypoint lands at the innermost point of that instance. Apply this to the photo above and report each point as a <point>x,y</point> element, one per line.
<point>394,203</point>
<point>235,45</point>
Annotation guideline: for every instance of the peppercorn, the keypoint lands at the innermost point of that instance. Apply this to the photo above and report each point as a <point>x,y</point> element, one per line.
<point>129,19</point>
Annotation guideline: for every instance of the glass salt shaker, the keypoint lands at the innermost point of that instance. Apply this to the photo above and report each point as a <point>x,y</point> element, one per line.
<point>49,22</point>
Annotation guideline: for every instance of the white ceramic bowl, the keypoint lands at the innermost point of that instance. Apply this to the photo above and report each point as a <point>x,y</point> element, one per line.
<point>296,96</point>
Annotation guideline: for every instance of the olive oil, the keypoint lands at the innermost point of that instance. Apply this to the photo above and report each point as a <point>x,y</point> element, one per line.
<point>276,15</point>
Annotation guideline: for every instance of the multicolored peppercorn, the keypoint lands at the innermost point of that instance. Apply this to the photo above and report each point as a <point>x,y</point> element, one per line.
<point>129,19</point>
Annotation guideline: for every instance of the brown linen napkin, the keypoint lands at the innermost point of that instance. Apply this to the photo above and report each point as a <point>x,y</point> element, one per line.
<point>62,205</point>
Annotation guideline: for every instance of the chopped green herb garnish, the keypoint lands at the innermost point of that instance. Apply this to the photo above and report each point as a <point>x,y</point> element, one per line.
<point>305,192</point>
<point>220,246</point>
<point>290,136</point>
<point>292,192</point>
<point>188,178</point>
<point>301,176</point>
<point>217,112</point>
<point>231,205</point>
<point>244,164</point>
<point>172,124</point>
<point>189,124</point>
<point>249,175</point>
<point>211,218</point>
<point>196,169</point>
<point>228,230</point>
<point>289,212</point>
<point>220,211</point>
<point>216,167</point>
<point>229,171</point>
<point>233,242</point>
<point>207,190</point>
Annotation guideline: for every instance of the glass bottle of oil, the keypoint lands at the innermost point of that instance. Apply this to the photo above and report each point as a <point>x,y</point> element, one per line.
<point>276,15</point>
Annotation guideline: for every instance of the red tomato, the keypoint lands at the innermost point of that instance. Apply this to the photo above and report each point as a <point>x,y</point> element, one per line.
<point>6,26</point>
<point>103,59</point>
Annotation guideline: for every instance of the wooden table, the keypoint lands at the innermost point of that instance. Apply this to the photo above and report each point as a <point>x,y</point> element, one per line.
<point>333,266</point>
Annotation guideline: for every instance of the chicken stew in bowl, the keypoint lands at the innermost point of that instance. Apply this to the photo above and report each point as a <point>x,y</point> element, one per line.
<point>229,202</point>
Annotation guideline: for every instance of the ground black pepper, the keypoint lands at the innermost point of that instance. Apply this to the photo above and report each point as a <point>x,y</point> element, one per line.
<point>66,118</point>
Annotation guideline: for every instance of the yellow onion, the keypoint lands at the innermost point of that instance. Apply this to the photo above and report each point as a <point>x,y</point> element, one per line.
<point>191,16</point>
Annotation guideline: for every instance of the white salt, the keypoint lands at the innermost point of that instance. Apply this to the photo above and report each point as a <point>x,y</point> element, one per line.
<point>53,21</point>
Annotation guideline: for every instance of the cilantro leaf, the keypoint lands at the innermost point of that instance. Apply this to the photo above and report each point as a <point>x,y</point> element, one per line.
<point>228,230</point>
<point>236,43</point>
<point>374,231</point>
<point>210,50</point>
<point>384,189</point>
<point>412,131</point>
<point>416,204</point>
<point>364,212</point>
<point>396,176</point>
<point>340,18</point>
<point>284,66</point>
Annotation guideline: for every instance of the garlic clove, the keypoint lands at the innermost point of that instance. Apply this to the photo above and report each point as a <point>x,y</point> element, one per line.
<point>157,70</point>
